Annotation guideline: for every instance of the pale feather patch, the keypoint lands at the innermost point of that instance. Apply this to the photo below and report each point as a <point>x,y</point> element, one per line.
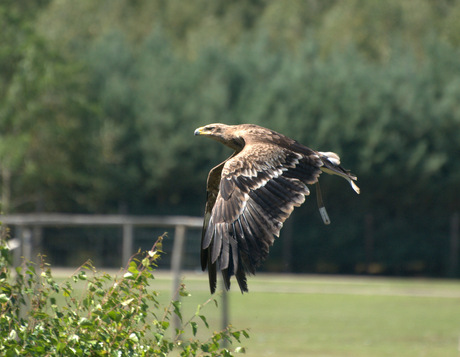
<point>332,157</point>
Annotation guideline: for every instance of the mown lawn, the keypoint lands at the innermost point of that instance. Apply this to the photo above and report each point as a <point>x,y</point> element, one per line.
<point>333,316</point>
<point>291,315</point>
<point>348,325</point>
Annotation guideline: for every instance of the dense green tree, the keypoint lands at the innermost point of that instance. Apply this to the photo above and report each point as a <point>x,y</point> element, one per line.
<point>105,124</point>
<point>44,117</point>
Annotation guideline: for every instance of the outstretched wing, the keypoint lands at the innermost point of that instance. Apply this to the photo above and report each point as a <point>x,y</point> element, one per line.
<point>212,191</point>
<point>259,188</point>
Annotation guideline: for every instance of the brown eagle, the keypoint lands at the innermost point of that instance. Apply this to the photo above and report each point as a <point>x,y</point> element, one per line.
<point>252,193</point>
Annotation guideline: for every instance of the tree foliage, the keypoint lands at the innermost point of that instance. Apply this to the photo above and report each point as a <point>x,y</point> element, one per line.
<point>46,132</point>
<point>99,108</point>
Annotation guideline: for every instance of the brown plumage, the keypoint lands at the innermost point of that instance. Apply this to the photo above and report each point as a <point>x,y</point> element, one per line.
<point>252,193</point>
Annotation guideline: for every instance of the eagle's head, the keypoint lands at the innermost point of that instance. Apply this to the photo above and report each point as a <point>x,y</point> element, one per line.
<point>225,134</point>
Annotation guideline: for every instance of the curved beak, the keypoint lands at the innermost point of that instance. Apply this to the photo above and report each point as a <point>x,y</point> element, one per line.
<point>199,131</point>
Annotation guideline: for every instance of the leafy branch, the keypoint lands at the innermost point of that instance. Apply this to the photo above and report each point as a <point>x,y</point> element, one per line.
<point>112,316</point>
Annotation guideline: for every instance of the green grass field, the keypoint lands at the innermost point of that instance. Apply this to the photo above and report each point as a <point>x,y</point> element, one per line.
<point>295,315</point>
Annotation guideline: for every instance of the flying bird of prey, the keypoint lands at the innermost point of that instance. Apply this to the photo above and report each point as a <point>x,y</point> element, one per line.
<point>252,193</point>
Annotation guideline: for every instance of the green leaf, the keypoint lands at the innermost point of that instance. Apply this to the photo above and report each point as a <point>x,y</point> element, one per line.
<point>115,315</point>
<point>194,327</point>
<point>177,306</point>
<point>133,268</point>
<point>60,347</point>
<point>158,336</point>
<point>184,293</point>
<point>30,270</point>
<point>203,318</point>
<point>84,322</point>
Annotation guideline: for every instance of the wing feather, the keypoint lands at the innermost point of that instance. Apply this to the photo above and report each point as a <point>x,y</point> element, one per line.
<point>209,232</point>
<point>212,269</point>
<point>219,237</point>
<point>249,237</point>
<point>258,190</point>
<point>252,193</point>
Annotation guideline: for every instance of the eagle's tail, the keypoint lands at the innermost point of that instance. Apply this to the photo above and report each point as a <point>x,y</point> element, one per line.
<point>331,165</point>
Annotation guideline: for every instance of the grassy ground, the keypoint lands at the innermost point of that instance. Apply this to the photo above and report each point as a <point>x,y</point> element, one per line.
<point>291,315</point>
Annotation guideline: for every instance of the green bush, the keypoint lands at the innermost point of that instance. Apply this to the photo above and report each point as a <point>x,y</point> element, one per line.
<point>112,317</point>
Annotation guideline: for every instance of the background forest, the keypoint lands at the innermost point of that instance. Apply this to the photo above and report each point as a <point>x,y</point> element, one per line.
<point>99,101</point>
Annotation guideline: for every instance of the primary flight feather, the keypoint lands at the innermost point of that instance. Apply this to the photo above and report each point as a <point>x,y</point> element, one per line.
<point>252,193</point>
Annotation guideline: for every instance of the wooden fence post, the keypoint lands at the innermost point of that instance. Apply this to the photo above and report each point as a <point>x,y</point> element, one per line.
<point>127,245</point>
<point>25,234</point>
<point>225,318</point>
<point>176,266</point>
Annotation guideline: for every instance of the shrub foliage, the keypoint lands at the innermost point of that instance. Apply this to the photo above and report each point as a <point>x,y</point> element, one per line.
<point>113,316</point>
